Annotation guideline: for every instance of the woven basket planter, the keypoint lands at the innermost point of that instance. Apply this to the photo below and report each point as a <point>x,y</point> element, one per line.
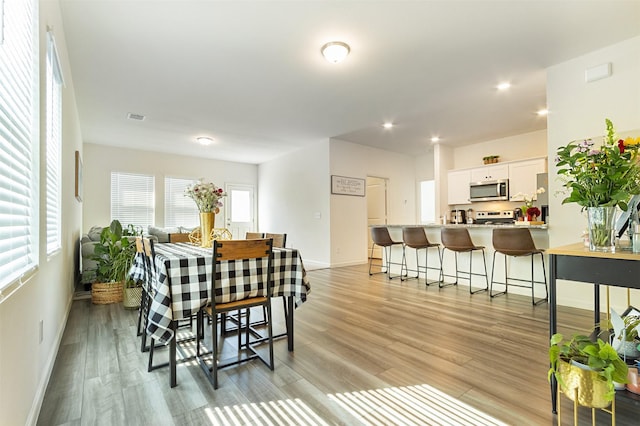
<point>132,296</point>
<point>106,293</point>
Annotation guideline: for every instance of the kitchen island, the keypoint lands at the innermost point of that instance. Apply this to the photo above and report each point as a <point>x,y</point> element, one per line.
<point>481,234</point>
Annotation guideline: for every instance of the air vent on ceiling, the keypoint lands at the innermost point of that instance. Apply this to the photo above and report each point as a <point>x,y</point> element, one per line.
<point>138,117</point>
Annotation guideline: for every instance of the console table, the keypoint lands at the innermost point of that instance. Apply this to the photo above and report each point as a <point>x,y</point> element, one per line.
<point>576,263</point>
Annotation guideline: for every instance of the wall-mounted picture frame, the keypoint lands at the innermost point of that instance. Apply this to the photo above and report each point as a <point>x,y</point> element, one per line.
<point>342,185</point>
<point>78,188</point>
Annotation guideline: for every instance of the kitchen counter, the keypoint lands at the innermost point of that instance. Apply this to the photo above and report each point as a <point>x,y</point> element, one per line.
<point>472,226</point>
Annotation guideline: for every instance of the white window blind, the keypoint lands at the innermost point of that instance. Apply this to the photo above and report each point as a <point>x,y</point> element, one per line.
<point>179,210</point>
<point>18,141</point>
<point>132,199</point>
<point>54,144</point>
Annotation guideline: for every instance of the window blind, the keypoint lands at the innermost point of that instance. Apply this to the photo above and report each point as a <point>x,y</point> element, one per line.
<point>132,199</point>
<point>179,210</point>
<point>54,144</point>
<point>18,141</point>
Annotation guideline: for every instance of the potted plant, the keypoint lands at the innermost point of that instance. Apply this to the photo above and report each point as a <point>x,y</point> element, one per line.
<point>586,370</point>
<point>625,334</point>
<point>113,255</point>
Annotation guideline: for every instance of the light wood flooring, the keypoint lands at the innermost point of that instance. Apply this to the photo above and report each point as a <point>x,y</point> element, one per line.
<point>368,350</point>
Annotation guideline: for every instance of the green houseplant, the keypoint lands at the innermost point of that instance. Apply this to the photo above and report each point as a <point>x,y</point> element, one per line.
<point>585,369</point>
<point>114,256</point>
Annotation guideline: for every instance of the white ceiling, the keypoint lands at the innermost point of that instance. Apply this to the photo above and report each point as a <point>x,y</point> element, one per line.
<point>250,73</point>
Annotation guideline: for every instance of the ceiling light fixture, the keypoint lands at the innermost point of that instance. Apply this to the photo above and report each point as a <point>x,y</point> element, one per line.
<point>543,112</point>
<point>387,125</point>
<point>435,139</point>
<point>504,86</point>
<point>204,140</point>
<point>335,51</point>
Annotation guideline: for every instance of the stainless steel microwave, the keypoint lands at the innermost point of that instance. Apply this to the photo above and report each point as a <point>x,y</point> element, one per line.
<point>492,190</point>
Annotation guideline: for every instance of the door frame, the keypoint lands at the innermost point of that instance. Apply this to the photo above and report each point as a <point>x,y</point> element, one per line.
<point>228,187</point>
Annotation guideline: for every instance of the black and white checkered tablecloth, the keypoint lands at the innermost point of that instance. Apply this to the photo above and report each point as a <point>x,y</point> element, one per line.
<point>183,281</point>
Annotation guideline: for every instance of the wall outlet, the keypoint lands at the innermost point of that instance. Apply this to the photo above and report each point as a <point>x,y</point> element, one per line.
<point>41,331</point>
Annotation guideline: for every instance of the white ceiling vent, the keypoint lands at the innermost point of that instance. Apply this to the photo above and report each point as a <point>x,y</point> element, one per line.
<point>137,117</point>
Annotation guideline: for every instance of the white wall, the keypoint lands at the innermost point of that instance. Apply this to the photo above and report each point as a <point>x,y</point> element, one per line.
<point>513,148</point>
<point>100,161</point>
<point>349,232</point>
<point>294,199</point>
<point>25,364</point>
<point>578,110</point>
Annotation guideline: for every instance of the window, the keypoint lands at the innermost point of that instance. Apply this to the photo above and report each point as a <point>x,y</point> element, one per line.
<point>178,209</point>
<point>132,199</point>
<point>18,141</point>
<point>428,201</point>
<point>54,144</point>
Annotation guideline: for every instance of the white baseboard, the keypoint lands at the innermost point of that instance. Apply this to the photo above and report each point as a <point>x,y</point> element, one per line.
<point>32,419</point>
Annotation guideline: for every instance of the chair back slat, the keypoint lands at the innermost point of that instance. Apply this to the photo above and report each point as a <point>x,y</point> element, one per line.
<point>179,238</point>
<point>253,235</point>
<point>279,240</point>
<point>241,249</point>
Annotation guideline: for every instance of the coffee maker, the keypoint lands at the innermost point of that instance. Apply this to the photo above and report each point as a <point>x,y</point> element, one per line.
<point>458,216</point>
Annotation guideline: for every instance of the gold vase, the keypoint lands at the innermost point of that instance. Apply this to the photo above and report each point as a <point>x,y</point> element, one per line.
<point>207,222</point>
<point>583,386</point>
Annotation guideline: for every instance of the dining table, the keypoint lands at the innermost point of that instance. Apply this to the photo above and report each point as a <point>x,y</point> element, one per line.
<point>181,286</point>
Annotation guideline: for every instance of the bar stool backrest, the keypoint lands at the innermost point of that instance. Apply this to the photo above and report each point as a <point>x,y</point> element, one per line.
<point>380,236</point>
<point>456,239</point>
<point>415,237</point>
<point>513,241</point>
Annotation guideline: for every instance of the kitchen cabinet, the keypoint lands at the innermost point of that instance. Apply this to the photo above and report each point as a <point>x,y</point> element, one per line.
<point>523,177</point>
<point>496,172</point>
<point>458,186</point>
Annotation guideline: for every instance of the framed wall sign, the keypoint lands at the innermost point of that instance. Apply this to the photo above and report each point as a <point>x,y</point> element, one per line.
<point>78,189</point>
<point>343,185</point>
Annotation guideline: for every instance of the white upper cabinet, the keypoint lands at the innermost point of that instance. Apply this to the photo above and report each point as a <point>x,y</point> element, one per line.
<point>523,177</point>
<point>495,172</point>
<point>458,186</point>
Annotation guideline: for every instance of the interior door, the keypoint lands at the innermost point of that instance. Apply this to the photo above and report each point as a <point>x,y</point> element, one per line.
<point>376,208</point>
<point>240,209</point>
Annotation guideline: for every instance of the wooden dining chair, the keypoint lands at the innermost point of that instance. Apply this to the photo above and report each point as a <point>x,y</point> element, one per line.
<point>279,240</point>
<point>256,252</point>
<point>253,235</point>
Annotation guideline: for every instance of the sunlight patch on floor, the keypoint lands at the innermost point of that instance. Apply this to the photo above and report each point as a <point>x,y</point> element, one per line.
<point>411,405</point>
<point>282,412</point>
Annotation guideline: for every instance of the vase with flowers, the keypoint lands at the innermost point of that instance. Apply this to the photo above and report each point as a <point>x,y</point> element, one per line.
<point>528,203</point>
<point>207,197</point>
<point>600,178</point>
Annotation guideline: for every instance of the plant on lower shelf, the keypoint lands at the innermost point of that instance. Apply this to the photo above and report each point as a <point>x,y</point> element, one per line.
<point>591,360</point>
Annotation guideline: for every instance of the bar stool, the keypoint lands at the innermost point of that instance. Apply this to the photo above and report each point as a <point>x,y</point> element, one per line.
<point>517,242</point>
<point>380,236</point>
<point>415,238</point>
<point>458,240</point>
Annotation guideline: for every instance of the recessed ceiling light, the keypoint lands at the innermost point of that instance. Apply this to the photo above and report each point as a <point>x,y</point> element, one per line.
<point>543,112</point>
<point>387,125</point>
<point>335,51</point>
<point>503,86</point>
<point>435,139</point>
<point>204,140</point>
